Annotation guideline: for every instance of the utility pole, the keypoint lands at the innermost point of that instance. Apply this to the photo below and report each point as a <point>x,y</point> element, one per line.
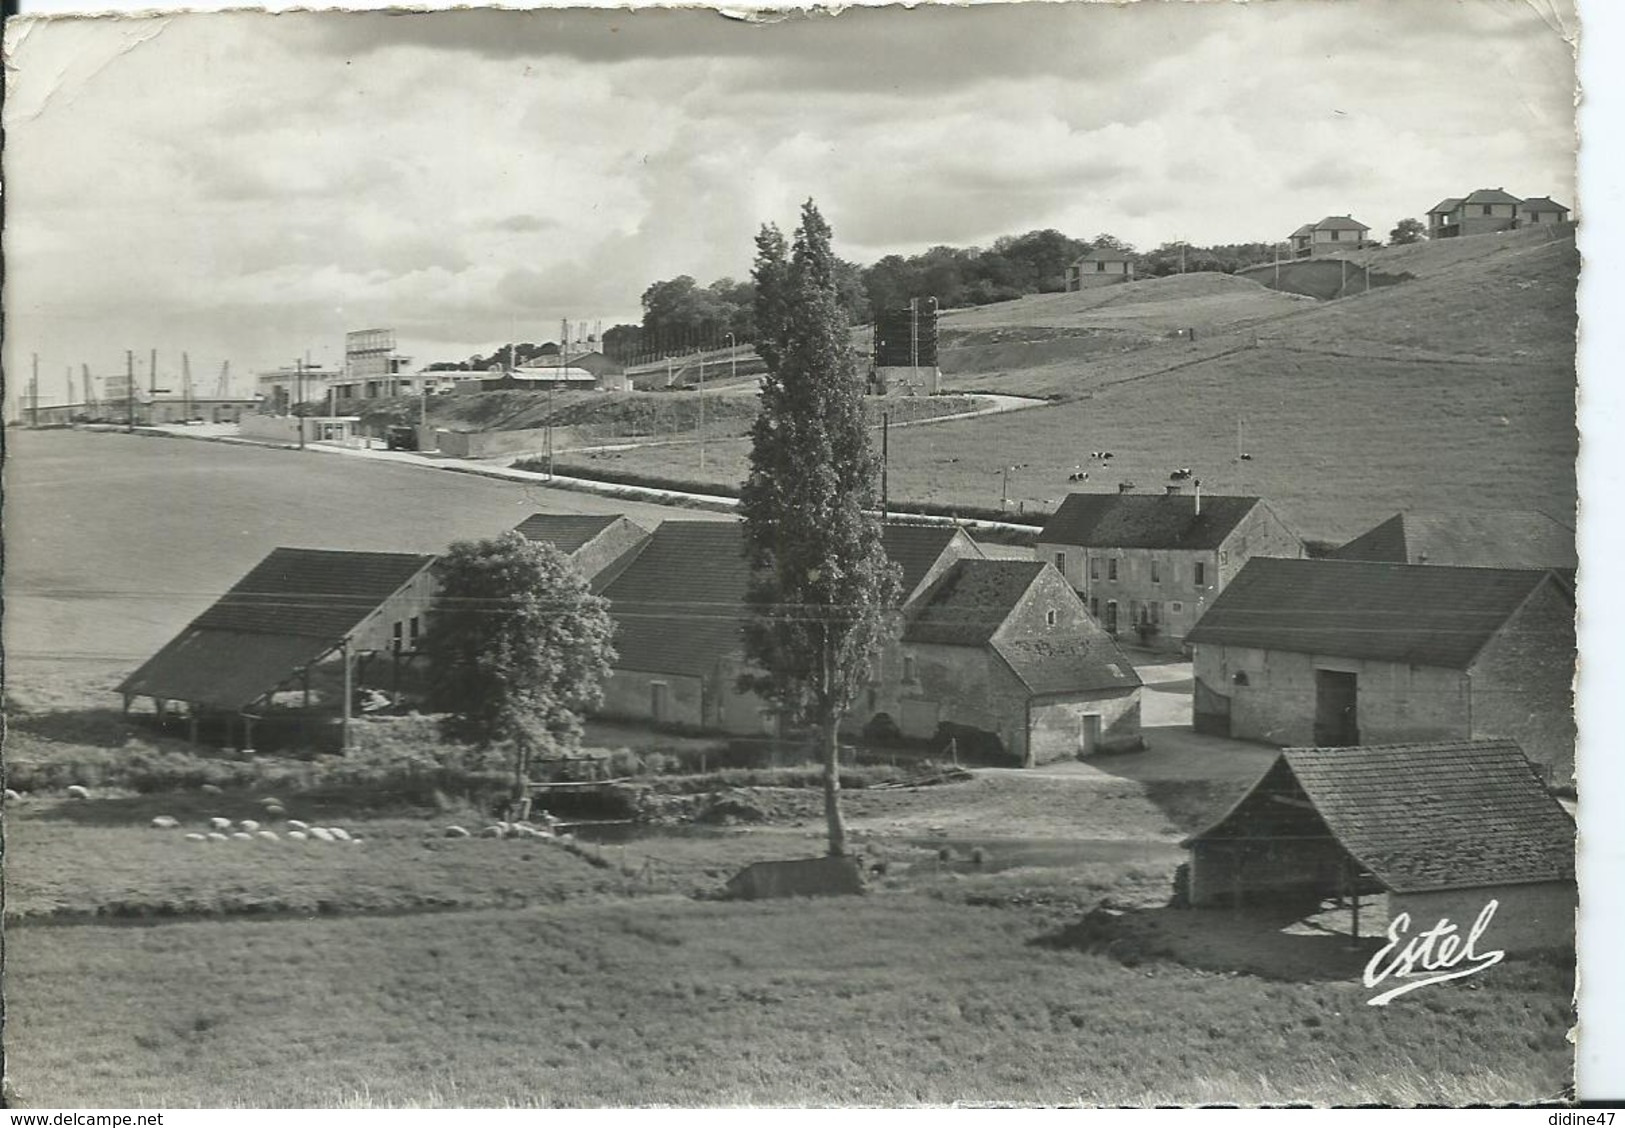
<point>702,412</point>
<point>913,334</point>
<point>299,398</point>
<point>186,385</point>
<point>33,388</point>
<point>70,394</point>
<point>152,374</point>
<point>129,378</point>
<point>733,359</point>
<point>885,463</point>
<point>1004,490</point>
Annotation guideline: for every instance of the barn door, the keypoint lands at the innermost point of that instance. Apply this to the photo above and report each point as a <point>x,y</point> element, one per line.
<point>1088,734</point>
<point>1336,709</point>
<point>1111,616</point>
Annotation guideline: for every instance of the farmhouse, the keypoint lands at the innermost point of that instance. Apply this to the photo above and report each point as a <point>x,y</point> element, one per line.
<point>1470,538</point>
<point>679,608</point>
<point>598,544</point>
<point>295,611</point>
<point>1151,565</point>
<point>1442,828</point>
<point>1101,267</point>
<point>1541,210</point>
<point>1334,233</point>
<point>1342,652</point>
<point>1001,654</point>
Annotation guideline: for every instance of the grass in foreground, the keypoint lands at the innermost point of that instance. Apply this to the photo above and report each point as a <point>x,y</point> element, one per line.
<point>893,999</point>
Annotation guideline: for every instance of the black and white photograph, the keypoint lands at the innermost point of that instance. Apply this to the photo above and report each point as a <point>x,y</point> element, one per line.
<point>1016,555</point>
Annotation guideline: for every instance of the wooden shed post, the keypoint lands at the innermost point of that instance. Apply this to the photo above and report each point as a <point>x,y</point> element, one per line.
<point>344,723</point>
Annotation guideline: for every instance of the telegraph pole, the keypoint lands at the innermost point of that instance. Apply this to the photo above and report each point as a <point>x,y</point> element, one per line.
<point>885,462</point>
<point>129,380</point>
<point>299,398</point>
<point>702,412</point>
<point>33,388</point>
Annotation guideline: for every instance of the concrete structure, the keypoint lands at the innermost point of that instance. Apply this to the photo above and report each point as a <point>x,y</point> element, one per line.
<point>149,409</point>
<point>598,544</point>
<point>343,429</point>
<point>904,360</point>
<point>1335,652</point>
<point>372,367</point>
<point>1334,233</point>
<point>1489,210</point>
<point>297,610</point>
<point>1149,566</point>
<point>1103,267</point>
<point>1443,829</point>
<point>281,388</point>
<point>1001,656</point>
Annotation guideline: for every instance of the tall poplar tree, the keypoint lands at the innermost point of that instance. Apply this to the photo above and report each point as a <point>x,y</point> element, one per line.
<point>822,590</point>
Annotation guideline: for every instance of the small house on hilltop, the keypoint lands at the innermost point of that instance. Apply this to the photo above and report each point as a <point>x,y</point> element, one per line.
<point>1334,233</point>
<point>1442,828</point>
<point>298,609</point>
<point>1541,210</point>
<point>595,542</point>
<point>1001,653</point>
<point>1149,565</point>
<point>1343,652</point>
<point>1489,210</point>
<point>1101,267</point>
<point>1474,539</point>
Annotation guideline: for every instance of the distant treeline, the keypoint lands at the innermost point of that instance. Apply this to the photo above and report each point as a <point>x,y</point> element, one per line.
<point>680,315</point>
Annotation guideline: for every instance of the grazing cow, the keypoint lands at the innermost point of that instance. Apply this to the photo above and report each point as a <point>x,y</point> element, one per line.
<point>1246,458</point>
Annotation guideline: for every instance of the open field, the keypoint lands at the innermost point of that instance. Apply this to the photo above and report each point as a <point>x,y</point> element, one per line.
<point>898,998</point>
<point>1457,385</point>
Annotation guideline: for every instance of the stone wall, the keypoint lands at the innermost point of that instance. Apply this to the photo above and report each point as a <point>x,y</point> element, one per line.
<point>1527,918</point>
<point>1522,684</point>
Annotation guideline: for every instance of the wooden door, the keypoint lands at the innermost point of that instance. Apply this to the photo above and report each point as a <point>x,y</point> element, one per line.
<point>1336,709</point>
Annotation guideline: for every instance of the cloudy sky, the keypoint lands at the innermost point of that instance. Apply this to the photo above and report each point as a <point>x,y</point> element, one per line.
<point>249,186</point>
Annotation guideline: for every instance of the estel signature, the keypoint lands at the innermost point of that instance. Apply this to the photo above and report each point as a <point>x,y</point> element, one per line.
<point>1433,956</point>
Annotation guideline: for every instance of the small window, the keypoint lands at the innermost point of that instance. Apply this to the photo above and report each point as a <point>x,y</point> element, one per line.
<point>1337,236</point>
<point>1176,607</point>
<point>1094,606</point>
<point>1049,617</point>
<point>1240,678</point>
<point>908,667</point>
<point>1060,562</point>
<point>1094,567</point>
<point>1199,574</point>
<point>395,636</point>
<point>1489,209</point>
<point>1111,568</point>
<point>1156,572</point>
<point>413,630</point>
<point>1100,268</point>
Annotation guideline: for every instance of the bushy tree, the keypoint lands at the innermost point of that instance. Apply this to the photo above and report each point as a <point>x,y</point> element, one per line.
<point>822,590</point>
<point>518,646</point>
<point>1407,231</point>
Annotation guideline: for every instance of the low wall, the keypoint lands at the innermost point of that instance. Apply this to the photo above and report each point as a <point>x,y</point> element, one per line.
<point>275,428</point>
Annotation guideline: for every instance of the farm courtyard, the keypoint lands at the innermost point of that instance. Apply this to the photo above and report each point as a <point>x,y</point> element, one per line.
<point>1015,945</point>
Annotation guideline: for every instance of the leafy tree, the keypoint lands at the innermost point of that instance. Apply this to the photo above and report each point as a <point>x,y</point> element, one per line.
<point>822,588</point>
<point>518,646</point>
<point>1407,231</point>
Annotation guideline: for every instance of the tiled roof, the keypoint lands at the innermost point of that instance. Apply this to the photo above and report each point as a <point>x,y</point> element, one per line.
<point>1341,223</point>
<point>679,605</point>
<point>1452,815</point>
<point>1077,662</point>
<point>223,669</point>
<point>1541,203</point>
<point>970,601</point>
<point>1303,232</point>
<point>317,593</point>
<point>1118,520</point>
<point>1448,204</point>
<point>915,548</point>
<point>1105,254</point>
<point>565,531</point>
<point>1491,196</point>
<point>1421,614</point>
<point>1440,815</point>
<point>1477,539</point>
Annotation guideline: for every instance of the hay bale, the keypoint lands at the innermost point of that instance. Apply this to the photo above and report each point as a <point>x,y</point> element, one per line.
<point>456,832</point>
<point>12,796</point>
<point>493,832</point>
<point>270,801</point>
<point>339,833</point>
<point>165,822</point>
<point>275,810</point>
<point>320,833</point>
<point>75,791</point>
<point>298,835</point>
<point>809,877</point>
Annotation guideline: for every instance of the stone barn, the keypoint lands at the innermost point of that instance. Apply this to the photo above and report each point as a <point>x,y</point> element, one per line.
<point>1343,652</point>
<point>1003,655</point>
<point>598,544</point>
<point>1442,829</point>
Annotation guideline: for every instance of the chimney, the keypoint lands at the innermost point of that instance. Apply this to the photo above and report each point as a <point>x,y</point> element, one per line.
<point>1198,485</point>
<point>1171,489</point>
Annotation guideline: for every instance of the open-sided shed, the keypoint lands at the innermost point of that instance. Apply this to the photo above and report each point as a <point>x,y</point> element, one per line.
<point>293,610</point>
<point>1442,828</point>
